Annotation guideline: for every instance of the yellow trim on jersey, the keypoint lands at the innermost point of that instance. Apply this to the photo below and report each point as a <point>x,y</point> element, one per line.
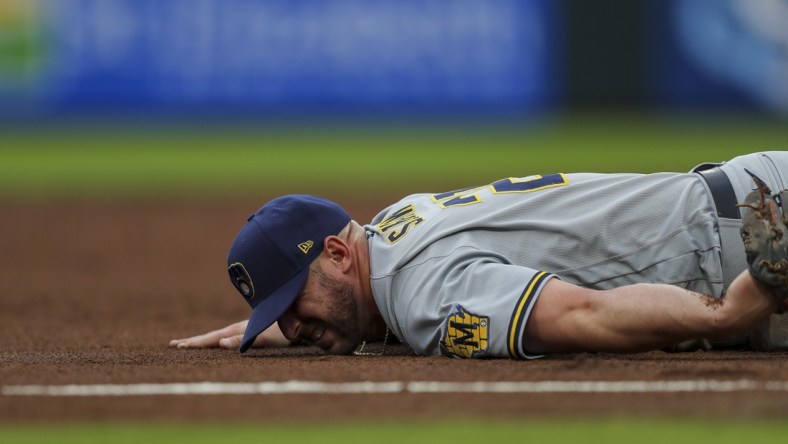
<point>519,312</point>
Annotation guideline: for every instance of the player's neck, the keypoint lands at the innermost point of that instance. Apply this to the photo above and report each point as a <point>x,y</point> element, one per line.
<point>372,323</point>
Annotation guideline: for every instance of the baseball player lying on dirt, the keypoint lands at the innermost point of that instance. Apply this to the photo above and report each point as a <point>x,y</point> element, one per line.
<point>525,266</point>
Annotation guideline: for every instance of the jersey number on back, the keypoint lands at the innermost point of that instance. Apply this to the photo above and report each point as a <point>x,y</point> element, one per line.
<point>470,196</point>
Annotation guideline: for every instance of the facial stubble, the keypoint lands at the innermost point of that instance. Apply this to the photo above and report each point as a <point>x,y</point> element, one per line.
<point>343,310</point>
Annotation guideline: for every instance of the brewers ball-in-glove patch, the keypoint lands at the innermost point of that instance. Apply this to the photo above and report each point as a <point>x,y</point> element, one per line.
<point>765,236</point>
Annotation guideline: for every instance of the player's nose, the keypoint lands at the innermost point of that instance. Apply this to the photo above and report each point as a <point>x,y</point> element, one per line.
<point>289,325</point>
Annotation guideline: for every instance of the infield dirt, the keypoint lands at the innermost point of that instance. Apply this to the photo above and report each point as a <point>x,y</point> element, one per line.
<point>92,291</point>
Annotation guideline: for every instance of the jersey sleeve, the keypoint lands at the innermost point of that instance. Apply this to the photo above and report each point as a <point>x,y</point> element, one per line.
<point>469,305</point>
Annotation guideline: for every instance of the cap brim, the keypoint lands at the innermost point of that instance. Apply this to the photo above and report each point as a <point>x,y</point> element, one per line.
<point>273,307</point>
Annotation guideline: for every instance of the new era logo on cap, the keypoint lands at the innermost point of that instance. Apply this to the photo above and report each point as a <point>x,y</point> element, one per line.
<point>305,246</point>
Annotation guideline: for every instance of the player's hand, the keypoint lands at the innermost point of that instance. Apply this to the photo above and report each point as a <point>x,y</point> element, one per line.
<point>230,337</point>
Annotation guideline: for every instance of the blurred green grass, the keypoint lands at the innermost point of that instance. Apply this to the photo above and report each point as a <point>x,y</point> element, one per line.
<point>220,160</point>
<point>608,431</point>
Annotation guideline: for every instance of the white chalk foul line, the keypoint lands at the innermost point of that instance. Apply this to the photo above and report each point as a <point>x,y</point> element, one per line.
<point>596,386</point>
<point>205,388</point>
<point>368,387</point>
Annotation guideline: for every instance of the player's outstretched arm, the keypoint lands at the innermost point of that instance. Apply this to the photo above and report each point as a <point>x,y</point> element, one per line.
<point>640,317</point>
<point>230,338</point>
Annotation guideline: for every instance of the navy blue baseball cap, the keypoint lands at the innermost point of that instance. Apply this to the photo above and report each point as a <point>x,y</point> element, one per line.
<point>269,260</point>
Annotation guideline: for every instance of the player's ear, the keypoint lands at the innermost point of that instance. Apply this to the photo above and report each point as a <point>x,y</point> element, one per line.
<point>337,252</point>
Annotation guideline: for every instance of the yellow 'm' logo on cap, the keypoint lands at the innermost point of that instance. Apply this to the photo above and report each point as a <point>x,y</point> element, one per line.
<point>305,246</point>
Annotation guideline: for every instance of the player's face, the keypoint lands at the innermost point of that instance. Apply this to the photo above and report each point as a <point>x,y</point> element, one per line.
<point>325,315</point>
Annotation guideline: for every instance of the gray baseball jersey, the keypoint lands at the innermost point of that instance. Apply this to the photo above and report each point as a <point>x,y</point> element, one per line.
<point>458,273</point>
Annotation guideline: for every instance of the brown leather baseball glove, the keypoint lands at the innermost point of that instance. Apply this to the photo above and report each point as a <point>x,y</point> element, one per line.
<point>765,236</point>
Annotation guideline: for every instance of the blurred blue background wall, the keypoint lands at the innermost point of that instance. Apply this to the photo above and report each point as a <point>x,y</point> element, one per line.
<point>439,58</point>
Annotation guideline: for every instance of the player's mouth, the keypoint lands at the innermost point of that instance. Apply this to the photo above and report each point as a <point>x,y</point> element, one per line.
<point>318,337</point>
